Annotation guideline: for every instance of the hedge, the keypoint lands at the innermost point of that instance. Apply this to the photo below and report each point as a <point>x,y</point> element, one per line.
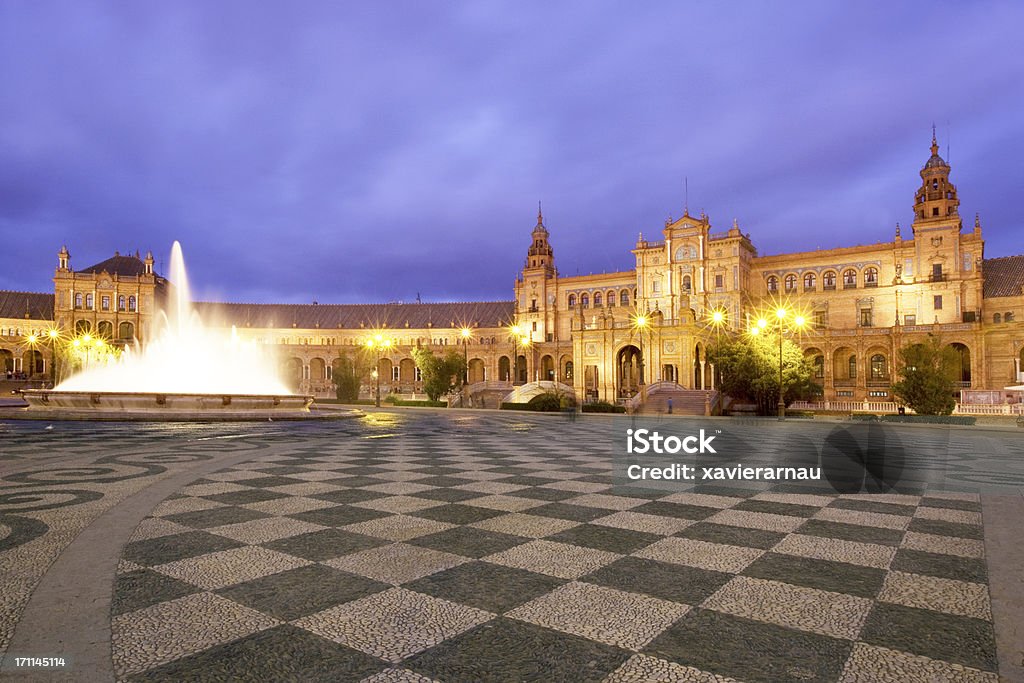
<point>919,419</point>
<point>603,407</point>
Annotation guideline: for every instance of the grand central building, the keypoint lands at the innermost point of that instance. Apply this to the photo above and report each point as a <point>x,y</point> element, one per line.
<point>616,336</point>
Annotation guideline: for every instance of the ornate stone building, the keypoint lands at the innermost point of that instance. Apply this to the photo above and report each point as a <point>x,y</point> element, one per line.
<point>607,335</point>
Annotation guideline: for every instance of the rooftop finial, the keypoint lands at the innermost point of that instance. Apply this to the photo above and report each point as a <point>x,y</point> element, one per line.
<point>540,214</point>
<point>977,220</point>
<point>897,228</point>
<point>935,144</point>
<point>686,195</point>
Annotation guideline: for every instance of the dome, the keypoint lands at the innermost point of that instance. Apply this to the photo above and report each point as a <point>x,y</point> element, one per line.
<point>935,162</point>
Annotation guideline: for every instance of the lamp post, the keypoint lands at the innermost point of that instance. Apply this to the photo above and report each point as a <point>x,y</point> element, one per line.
<point>515,332</point>
<point>640,322</point>
<point>379,342</point>
<point>52,335</point>
<point>782,323</point>
<point>465,332</point>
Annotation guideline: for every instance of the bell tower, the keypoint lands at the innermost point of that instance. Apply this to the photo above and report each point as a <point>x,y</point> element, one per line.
<point>540,256</point>
<point>536,286</point>
<point>936,200</point>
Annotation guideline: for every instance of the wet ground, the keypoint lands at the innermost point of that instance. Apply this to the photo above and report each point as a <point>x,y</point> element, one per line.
<point>422,545</point>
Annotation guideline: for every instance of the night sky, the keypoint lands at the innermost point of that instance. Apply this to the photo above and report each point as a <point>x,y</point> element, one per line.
<point>367,152</point>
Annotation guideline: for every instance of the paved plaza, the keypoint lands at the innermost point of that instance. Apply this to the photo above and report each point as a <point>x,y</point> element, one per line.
<point>420,545</point>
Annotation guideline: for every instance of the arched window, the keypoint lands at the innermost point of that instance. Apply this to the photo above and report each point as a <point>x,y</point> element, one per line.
<point>624,298</point>
<point>78,300</point>
<point>852,367</point>
<point>997,318</point>
<point>687,283</point>
<point>88,301</point>
<point>597,299</point>
<point>828,280</point>
<point>572,301</point>
<point>849,278</point>
<point>120,303</point>
<point>1008,318</point>
<point>773,283</point>
<point>611,298</point>
<point>131,304</point>
<point>790,283</point>
<point>809,282</point>
<point>871,276</point>
<point>878,367</point>
<point>585,300</point>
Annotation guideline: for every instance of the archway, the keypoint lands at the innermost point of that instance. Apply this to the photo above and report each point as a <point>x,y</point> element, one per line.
<point>844,366</point>
<point>504,369</point>
<point>627,364</point>
<point>566,365</point>
<point>125,331</point>
<point>964,372</point>
<point>317,369</point>
<point>83,327</point>
<point>32,362</point>
<point>293,372</point>
<point>6,361</point>
<point>547,368</point>
<point>384,371</point>
<point>105,329</point>
<point>407,371</point>
<point>522,372</point>
<point>476,370</point>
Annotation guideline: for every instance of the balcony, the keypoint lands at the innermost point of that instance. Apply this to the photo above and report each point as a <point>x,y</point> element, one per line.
<point>937,277</point>
<point>871,283</point>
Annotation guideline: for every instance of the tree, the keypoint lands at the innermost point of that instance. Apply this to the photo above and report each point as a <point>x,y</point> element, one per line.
<point>748,370</point>
<point>442,375</point>
<point>347,372</point>
<point>928,377</point>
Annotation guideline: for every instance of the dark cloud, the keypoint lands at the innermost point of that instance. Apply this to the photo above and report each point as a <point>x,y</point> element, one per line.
<point>350,153</point>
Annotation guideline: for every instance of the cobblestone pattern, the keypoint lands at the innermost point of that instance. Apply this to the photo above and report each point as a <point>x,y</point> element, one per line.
<point>409,542</point>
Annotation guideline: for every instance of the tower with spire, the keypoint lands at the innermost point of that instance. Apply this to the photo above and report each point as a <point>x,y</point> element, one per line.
<point>936,200</point>
<point>536,286</point>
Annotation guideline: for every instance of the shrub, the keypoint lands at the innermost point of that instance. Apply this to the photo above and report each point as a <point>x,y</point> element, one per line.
<point>603,407</point>
<point>932,419</point>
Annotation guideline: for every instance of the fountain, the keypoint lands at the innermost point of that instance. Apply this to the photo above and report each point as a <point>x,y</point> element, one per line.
<point>184,371</point>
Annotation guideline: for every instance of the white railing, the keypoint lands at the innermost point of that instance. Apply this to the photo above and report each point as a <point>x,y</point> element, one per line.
<point>891,407</point>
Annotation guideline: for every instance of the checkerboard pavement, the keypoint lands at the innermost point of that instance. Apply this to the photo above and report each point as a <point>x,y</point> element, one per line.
<point>512,559</point>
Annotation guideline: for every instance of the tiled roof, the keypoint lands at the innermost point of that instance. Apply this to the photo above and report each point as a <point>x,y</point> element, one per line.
<point>118,265</point>
<point>360,316</point>
<point>15,304</point>
<point>1004,276</point>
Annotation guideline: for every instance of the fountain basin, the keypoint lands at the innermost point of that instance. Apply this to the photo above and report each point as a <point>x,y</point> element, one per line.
<point>116,405</point>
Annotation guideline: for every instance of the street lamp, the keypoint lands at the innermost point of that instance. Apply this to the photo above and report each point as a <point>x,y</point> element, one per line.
<point>782,316</point>
<point>380,343</point>
<point>52,336</point>
<point>465,332</point>
<point>516,332</point>
<point>641,324</point>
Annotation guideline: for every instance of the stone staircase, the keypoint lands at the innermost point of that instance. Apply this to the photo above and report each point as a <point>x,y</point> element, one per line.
<point>684,401</point>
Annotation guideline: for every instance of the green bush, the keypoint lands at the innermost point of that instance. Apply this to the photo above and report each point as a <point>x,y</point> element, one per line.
<point>603,407</point>
<point>392,399</point>
<point>545,403</point>
<point>932,419</point>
